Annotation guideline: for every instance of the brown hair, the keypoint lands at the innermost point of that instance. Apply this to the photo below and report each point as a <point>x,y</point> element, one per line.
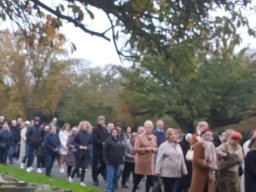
<point>66,125</point>
<point>252,143</point>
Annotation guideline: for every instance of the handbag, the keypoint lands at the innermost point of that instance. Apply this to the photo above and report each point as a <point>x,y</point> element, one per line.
<point>190,154</point>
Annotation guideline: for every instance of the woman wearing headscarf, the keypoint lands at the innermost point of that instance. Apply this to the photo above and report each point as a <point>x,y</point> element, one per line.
<point>231,155</point>
<point>250,167</point>
<point>145,148</point>
<point>170,163</point>
<point>204,164</point>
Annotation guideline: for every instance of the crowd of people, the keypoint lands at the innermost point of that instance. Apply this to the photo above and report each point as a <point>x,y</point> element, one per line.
<point>167,159</point>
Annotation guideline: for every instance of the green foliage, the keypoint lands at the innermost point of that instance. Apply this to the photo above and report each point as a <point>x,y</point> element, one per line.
<point>93,92</point>
<point>189,87</point>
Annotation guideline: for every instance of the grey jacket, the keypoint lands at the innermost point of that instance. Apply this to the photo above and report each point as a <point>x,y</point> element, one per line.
<point>170,161</point>
<point>129,152</point>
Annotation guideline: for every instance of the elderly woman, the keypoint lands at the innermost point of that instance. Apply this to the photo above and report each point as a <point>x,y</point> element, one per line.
<point>250,167</point>
<point>145,148</point>
<point>232,157</point>
<point>204,164</point>
<point>170,163</point>
<point>63,135</point>
<point>201,125</point>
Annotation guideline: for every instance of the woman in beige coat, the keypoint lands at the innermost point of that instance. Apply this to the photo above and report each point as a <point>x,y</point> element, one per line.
<point>170,163</point>
<point>145,148</point>
<point>204,164</point>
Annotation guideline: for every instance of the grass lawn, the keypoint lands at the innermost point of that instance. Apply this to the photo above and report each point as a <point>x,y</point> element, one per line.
<point>34,178</point>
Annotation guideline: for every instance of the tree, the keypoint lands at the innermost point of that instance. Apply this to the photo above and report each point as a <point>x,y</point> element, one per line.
<point>148,25</point>
<point>91,92</point>
<point>32,79</point>
<point>215,88</point>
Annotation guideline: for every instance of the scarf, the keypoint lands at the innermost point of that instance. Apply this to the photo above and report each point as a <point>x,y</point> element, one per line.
<point>210,157</point>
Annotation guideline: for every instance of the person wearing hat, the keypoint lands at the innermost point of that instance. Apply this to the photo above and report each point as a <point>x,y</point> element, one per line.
<point>204,164</point>
<point>35,138</point>
<point>231,155</point>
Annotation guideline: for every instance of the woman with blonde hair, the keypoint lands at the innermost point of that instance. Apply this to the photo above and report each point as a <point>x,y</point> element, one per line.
<point>63,135</point>
<point>82,142</point>
<point>170,163</point>
<point>145,148</point>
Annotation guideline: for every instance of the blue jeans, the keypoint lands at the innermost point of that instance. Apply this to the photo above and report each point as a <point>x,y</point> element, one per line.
<point>112,176</point>
<point>13,152</point>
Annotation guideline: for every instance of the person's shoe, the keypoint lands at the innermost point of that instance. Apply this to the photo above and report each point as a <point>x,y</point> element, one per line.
<point>70,180</point>
<point>29,169</point>
<point>96,183</point>
<point>39,170</point>
<point>22,166</point>
<point>82,184</point>
<point>62,170</point>
<point>124,186</point>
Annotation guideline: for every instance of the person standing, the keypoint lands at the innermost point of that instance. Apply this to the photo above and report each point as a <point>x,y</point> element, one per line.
<point>23,147</point>
<point>70,160</point>
<point>232,157</point>
<point>63,135</point>
<point>35,137</point>
<point>145,149</point>
<point>113,152</point>
<point>129,160</point>
<point>170,163</point>
<point>204,164</point>
<point>82,141</point>
<point>99,135</point>
<point>159,132</point>
<point>51,145</point>
<point>6,140</point>
<point>250,167</point>
<point>14,149</point>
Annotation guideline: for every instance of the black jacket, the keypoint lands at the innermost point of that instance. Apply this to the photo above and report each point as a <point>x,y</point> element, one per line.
<point>82,138</point>
<point>51,142</point>
<point>6,139</point>
<point>16,134</point>
<point>250,171</point>
<point>35,135</point>
<point>99,135</point>
<point>113,151</point>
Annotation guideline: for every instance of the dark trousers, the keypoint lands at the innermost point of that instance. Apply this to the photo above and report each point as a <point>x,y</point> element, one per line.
<point>69,170</point>
<point>98,167</point>
<point>169,183</point>
<point>32,150</point>
<point>81,162</point>
<point>3,154</point>
<point>128,169</point>
<point>50,158</point>
<point>149,182</point>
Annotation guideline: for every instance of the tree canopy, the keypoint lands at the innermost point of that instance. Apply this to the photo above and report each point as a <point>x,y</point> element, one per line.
<point>145,24</point>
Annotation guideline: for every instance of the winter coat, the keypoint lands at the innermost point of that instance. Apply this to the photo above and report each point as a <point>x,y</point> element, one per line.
<point>82,138</point>
<point>200,174</point>
<point>99,135</point>
<point>145,160</point>
<point>129,152</point>
<point>35,135</point>
<point>250,171</point>
<point>16,134</point>
<point>6,139</point>
<point>160,136</point>
<point>51,142</point>
<point>70,159</point>
<point>170,161</point>
<point>113,151</point>
<point>22,143</point>
<point>63,135</point>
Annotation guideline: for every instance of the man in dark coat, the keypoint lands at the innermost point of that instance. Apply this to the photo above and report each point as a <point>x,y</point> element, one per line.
<point>14,149</point>
<point>99,135</point>
<point>34,135</point>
